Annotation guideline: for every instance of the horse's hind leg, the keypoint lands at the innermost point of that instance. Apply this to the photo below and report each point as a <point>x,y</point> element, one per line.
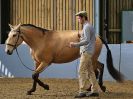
<point>100,69</point>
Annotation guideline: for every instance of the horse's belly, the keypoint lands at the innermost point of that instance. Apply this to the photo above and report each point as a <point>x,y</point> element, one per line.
<point>66,56</point>
<point>64,60</point>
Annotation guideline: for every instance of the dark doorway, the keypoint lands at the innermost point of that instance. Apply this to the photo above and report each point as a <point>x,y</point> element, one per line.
<point>5,19</point>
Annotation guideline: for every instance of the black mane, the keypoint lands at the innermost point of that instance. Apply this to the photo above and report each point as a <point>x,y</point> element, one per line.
<point>42,29</point>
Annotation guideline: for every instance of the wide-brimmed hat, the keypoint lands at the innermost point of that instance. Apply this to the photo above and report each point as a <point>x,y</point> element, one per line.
<point>81,13</point>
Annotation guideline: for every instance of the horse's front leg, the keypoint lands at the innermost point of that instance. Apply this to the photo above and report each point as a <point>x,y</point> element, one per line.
<point>38,70</point>
<point>45,86</point>
<point>33,89</point>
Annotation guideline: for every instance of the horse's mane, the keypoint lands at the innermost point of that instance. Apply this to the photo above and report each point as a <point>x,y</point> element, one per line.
<point>31,25</point>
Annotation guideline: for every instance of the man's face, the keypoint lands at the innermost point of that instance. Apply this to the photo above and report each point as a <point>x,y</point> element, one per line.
<point>80,19</point>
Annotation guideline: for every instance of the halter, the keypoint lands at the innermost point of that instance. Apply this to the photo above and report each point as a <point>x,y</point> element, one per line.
<point>15,47</point>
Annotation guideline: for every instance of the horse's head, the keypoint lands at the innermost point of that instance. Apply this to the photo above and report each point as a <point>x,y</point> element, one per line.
<point>14,39</point>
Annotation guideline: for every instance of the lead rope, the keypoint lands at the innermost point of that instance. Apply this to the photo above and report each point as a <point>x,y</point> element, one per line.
<point>22,61</point>
<point>18,53</point>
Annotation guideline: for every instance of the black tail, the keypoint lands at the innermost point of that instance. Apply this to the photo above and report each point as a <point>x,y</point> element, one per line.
<point>113,72</point>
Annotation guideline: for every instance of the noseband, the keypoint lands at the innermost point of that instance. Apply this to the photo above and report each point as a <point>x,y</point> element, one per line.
<point>11,45</point>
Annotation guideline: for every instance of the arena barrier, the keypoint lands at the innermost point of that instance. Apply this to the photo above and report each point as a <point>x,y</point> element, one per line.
<point>10,65</point>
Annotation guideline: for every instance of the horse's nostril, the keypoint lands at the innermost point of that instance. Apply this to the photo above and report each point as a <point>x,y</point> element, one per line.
<point>8,52</point>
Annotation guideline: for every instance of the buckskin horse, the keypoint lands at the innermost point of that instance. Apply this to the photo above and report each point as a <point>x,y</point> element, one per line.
<point>49,46</point>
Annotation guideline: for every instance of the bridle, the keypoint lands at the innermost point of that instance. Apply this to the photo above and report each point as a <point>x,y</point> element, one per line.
<point>15,48</point>
<point>16,41</point>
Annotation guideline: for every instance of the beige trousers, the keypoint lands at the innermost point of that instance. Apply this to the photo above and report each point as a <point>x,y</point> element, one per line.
<point>86,74</point>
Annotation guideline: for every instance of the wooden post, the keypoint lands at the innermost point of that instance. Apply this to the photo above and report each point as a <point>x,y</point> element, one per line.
<point>106,30</point>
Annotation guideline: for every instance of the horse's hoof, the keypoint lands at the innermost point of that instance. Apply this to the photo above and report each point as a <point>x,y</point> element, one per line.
<point>103,88</point>
<point>46,87</point>
<point>89,89</point>
<point>29,93</point>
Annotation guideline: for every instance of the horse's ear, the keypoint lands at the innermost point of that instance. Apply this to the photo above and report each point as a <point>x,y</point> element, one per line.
<point>11,27</point>
<point>18,26</point>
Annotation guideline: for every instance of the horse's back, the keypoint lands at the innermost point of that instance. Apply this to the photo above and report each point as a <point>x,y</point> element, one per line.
<point>63,52</point>
<point>66,54</point>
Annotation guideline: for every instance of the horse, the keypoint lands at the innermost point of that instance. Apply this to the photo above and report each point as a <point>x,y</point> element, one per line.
<point>50,46</point>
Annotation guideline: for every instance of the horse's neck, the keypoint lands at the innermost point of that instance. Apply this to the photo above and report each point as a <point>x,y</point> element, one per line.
<point>30,38</point>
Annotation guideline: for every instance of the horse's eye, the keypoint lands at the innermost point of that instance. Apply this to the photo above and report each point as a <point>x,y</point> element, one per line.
<point>14,35</point>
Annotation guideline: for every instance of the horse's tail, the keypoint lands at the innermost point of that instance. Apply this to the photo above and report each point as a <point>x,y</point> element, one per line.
<point>113,72</point>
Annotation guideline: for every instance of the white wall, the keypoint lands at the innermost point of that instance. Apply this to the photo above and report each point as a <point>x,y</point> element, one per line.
<point>11,66</point>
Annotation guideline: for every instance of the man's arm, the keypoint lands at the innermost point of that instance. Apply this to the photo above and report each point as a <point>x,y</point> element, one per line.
<point>86,39</point>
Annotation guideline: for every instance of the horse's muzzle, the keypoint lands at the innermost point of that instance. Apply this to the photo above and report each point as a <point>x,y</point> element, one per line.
<point>9,52</point>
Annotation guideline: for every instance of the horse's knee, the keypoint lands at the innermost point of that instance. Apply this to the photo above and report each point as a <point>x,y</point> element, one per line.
<point>35,76</point>
<point>96,74</point>
<point>103,88</point>
<point>99,71</point>
<point>102,66</point>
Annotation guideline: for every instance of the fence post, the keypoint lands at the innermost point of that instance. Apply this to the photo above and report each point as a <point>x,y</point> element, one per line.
<point>106,30</point>
<point>96,16</point>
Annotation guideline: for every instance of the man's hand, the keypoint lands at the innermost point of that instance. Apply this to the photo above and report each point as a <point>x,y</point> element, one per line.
<point>79,34</point>
<point>72,44</point>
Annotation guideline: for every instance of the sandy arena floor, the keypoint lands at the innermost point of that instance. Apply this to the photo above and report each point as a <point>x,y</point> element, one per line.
<point>16,88</point>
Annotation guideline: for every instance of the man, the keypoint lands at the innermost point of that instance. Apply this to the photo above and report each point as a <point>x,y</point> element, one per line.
<point>86,44</point>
